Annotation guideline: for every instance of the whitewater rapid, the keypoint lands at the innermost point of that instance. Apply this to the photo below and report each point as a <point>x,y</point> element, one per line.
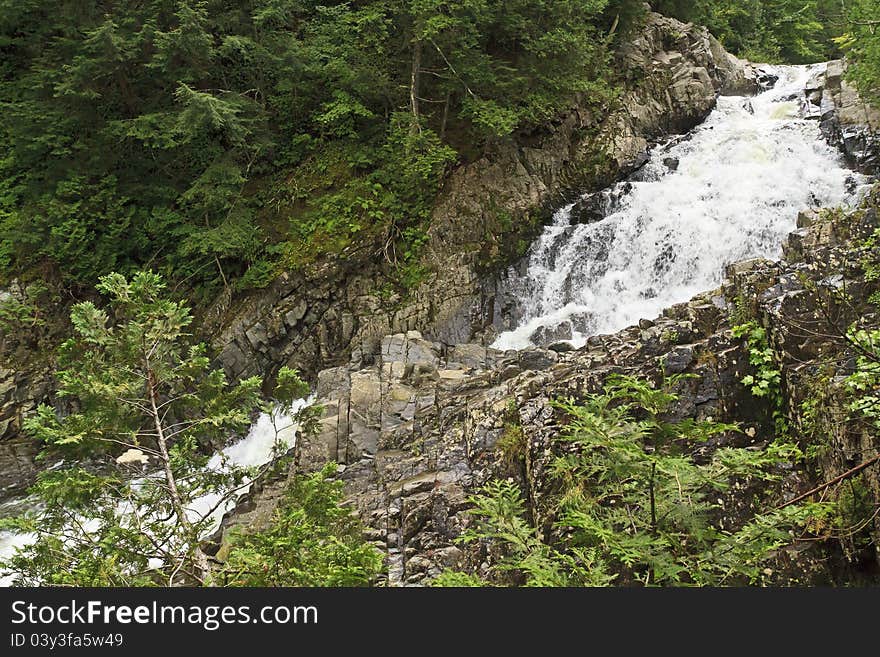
<point>265,435</point>
<point>741,179</point>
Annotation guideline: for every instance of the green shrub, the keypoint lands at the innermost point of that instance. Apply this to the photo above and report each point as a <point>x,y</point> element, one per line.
<point>314,539</point>
<point>633,507</point>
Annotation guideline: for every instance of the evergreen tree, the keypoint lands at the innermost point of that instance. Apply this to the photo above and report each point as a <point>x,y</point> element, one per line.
<point>314,540</point>
<point>126,507</point>
<point>172,134</point>
<point>862,45</point>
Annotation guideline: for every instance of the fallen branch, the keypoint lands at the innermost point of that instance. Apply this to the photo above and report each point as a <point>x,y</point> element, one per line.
<point>846,475</point>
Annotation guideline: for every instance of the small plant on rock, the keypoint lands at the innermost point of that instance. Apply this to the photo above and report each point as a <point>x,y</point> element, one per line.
<point>766,382</point>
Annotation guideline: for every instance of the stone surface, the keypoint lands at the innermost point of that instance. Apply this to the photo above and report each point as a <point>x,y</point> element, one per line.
<point>431,422</point>
<point>20,392</point>
<point>316,318</point>
<point>846,120</point>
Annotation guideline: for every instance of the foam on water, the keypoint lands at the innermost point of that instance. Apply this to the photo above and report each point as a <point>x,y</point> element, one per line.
<point>742,178</point>
<point>255,449</point>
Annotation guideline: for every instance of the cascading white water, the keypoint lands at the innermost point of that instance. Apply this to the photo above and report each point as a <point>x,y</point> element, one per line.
<point>255,449</point>
<point>741,179</point>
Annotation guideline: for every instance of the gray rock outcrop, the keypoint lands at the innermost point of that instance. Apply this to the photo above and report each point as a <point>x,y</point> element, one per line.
<point>847,121</point>
<point>486,212</point>
<point>416,424</point>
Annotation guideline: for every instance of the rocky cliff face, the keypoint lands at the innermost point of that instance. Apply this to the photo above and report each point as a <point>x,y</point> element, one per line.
<point>847,121</point>
<point>25,381</point>
<point>416,424</point>
<point>417,420</point>
<point>20,392</point>
<point>486,215</point>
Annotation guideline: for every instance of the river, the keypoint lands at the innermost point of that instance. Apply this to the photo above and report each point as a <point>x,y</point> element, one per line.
<point>729,190</point>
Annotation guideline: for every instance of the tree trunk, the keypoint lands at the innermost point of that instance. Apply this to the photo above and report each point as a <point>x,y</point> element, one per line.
<point>222,275</point>
<point>217,259</point>
<point>445,116</point>
<point>199,557</point>
<point>415,77</point>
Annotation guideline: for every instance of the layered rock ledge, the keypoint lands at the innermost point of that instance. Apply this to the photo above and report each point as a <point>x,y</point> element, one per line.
<point>487,211</point>
<point>415,424</point>
<point>848,122</point>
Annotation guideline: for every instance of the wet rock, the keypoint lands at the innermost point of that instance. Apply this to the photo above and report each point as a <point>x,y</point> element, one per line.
<point>740,78</point>
<point>537,359</point>
<point>590,209</point>
<point>582,322</point>
<point>639,160</point>
<point>807,218</point>
<point>595,207</point>
<point>847,121</point>
<point>678,360</point>
<point>545,335</point>
<point>671,163</point>
<point>766,79</point>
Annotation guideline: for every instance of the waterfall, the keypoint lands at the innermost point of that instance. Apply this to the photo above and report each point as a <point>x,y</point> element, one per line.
<point>729,190</point>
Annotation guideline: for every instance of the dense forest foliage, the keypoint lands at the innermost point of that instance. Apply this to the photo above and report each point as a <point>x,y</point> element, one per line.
<point>217,141</point>
<point>795,31</point>
<point>205,145</point>
<point>188,136</point>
